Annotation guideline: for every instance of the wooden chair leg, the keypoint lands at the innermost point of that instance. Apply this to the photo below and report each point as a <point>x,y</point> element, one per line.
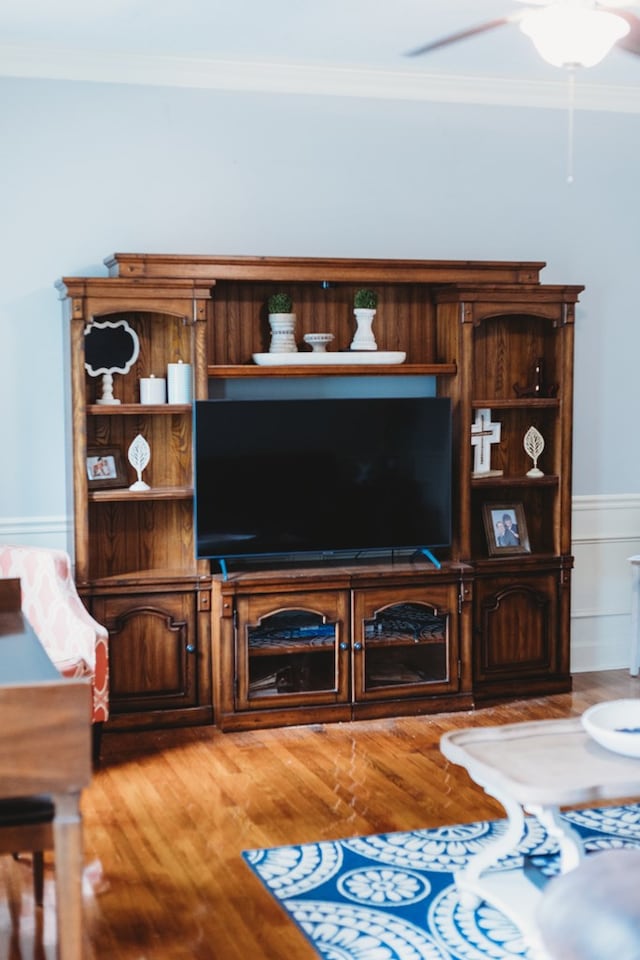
<point>26,825</point>
<point>38,877</point>
<point>96,743</point>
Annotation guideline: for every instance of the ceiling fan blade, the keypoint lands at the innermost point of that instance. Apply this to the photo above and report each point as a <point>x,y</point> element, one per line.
<point>630,43</point>
<point>461,35</point>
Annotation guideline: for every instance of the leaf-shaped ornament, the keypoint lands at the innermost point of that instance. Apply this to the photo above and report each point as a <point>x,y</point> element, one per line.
<point>534,445</point>
<point>139,455</point>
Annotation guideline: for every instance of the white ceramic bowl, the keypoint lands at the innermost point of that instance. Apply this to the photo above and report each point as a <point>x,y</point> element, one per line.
<point>318,341</point>
<point>615,725</point>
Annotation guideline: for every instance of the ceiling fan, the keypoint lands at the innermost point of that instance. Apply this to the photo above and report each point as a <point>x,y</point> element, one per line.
<point>566,33</point>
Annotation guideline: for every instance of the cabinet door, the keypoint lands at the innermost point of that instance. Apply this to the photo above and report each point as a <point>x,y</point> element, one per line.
<point>518,634</point>
<point>152,650</point>
<point>405,642</point>
<point>292,649</point>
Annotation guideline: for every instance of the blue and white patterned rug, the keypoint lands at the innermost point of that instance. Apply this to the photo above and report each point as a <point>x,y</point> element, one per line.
<point>392,896</point>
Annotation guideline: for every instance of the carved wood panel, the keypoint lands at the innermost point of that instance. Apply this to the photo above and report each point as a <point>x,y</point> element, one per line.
<point>152,650</point>
<point>516,626</point>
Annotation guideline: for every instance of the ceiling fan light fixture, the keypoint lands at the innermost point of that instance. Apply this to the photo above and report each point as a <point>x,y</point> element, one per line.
<point>573,36</point>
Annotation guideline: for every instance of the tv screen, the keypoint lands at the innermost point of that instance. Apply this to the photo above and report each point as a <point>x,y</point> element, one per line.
<point>321,476</point>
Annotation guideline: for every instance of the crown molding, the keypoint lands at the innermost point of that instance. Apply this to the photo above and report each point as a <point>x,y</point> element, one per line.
<point>309,79</point>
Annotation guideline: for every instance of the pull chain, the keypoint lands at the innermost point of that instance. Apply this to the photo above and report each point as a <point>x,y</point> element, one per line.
<point>570,123</point>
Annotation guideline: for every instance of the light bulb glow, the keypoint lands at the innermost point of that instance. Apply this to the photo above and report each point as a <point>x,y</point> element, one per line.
<point>573,36</point>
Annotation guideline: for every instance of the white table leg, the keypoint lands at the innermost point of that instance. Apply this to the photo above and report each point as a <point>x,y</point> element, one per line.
<point>509,891</point>
<point>569,842</point>
<point>634,669</point>
<point>469,880</point>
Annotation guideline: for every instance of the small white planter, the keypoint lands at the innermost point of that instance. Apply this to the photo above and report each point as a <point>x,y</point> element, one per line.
<point>283,327</point>
<point>363,338</point>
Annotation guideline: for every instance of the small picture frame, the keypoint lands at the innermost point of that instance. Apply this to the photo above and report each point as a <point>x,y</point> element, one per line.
<point>105,468</point>
<point>506,529</point>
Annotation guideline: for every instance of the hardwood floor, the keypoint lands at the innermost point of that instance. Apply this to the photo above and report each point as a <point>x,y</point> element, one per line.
<point>169,813</point>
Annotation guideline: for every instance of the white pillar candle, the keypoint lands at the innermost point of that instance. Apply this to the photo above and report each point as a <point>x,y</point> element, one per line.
<point>179,377</point>
<point>153,389</point>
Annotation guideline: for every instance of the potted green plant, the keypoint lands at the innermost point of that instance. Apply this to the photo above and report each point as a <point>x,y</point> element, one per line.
<point>282,322</point>
<point>365,302</point>
<point>365,299</point>
<point>279,303</point>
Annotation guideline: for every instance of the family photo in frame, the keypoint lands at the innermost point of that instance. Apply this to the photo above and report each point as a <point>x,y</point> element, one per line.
<point>105,468</point>
<point>506,528</point>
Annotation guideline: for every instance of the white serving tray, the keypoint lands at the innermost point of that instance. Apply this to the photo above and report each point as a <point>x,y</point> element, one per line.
<point>330,358</point>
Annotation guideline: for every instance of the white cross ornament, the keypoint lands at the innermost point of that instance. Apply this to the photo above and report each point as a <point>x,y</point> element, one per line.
<point>483,434</point>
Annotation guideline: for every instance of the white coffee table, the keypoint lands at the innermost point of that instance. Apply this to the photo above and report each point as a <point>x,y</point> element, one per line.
<point>534,768</point>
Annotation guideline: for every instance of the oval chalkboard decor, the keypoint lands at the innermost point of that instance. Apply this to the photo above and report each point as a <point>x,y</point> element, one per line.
<point>109,347</point>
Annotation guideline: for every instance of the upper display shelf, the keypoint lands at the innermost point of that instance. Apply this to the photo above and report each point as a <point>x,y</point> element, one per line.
<point>228,371</point>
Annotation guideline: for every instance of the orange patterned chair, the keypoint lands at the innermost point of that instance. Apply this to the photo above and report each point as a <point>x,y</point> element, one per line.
<point>76,643</point>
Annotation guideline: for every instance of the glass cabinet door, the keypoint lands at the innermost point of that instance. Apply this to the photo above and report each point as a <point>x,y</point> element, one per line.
<point>406,647</point>
<point>293,652</point>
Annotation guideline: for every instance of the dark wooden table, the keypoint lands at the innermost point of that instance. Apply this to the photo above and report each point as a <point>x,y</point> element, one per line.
<point>45,748</point>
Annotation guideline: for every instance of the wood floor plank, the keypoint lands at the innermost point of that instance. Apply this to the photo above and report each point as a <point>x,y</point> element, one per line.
<point>169,813</point>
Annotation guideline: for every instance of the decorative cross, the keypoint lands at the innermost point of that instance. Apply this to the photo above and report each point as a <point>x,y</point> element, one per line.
<point>483,434</point>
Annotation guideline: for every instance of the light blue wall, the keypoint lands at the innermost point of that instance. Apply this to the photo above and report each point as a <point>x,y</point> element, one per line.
<point>89,169</point>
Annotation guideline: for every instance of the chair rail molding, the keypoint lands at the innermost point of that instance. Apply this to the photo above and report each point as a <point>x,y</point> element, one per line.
<point>606,532</point>
<point>36,531</point>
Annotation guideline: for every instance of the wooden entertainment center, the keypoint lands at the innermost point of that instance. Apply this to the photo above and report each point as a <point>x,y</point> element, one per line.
<point>323,641</point>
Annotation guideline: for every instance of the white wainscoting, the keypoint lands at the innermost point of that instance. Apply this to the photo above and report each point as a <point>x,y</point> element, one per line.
<point>36,531</point>
<point>606,532</point>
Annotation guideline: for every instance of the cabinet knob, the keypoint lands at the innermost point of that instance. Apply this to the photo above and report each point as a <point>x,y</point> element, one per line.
<point>191,648</point>
<point>357,646</point>
<point>343,645</point>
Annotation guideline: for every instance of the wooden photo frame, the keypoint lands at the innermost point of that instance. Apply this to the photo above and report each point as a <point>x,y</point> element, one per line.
<point>506,529</point>
<point>105,468</point>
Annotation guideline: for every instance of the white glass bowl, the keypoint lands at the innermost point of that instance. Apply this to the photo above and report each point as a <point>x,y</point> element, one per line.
<point>615,724</point>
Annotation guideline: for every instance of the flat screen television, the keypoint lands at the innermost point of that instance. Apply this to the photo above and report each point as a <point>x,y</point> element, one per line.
<point>328,476</point>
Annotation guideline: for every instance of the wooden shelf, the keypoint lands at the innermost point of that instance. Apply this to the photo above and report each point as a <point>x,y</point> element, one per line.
<point>549,480</point>
<point>386,642</point>
<point>136,409</point>
<point>230,371</point>
<point>146,579</point>
<point>155,493</point>
<point>291,648</point>
<point>532,560</point>
<point>517,403</point>
<point>263,693</point>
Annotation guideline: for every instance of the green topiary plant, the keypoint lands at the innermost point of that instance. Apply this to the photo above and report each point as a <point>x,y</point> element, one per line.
<point>279,303</point>
<point>365,299</point>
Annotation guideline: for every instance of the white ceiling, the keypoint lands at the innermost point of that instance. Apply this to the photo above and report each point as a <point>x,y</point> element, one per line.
<point>356,47</point>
